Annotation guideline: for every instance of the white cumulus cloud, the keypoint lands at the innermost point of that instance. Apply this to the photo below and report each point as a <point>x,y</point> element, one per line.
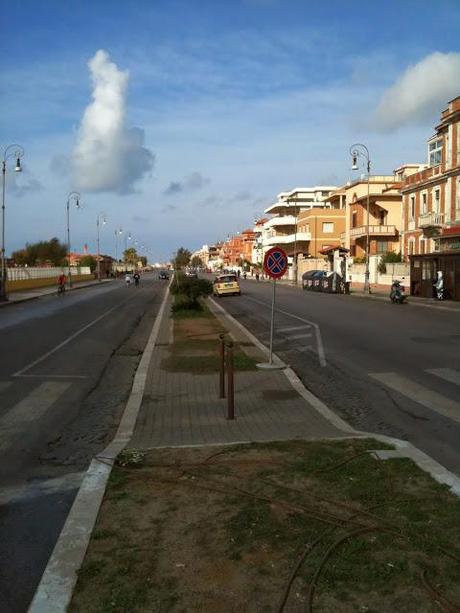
<point>108,156</point>
<point>422,91</point>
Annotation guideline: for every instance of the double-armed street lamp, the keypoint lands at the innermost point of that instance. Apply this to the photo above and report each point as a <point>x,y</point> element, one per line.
<point>12,151</point>
<point>101,217</point>
<point>75,198</point>
<point>358,150</point>
<point>118,232</point>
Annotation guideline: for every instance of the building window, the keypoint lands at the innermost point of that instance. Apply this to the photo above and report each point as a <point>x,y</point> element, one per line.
<point>328,227</point>
<point>354,217</point>
<point>424,203</point>
<point>437,199</point>
<point>412,208</point>
<point>435,152</point>
<point>382,246</point>
<point>411,246</point>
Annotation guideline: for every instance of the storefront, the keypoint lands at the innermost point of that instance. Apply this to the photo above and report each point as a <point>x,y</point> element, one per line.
<point>424,268</point>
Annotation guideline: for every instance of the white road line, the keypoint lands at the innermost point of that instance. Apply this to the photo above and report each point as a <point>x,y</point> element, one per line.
<point>70,338</point>
<point>449,374</point>
<point>319,341</point>
<point>28,410</point>
<point>292,328</point>
<point>424,396</point>
<point>297,336</point>
<point>35,489</point>
<point>4,385</point>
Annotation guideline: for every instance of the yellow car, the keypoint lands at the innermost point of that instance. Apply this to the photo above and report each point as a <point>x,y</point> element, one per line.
<point>226,284</point>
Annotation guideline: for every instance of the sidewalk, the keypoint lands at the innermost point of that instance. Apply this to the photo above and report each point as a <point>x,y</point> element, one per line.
<point>39,292</point>
<point>180,408</point>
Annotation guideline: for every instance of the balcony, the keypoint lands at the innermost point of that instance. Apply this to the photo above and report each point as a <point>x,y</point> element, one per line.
<point>287,239</point>
<point>373,231</point>
<point>282,220</point>
<point>431,220</point>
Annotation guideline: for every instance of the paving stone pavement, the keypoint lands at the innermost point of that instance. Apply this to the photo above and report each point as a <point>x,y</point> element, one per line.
<point>183,409</point>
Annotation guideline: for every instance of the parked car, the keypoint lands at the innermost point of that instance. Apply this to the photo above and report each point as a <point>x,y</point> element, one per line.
<point>163,275</point>
<point>226,284</point>
<point>192,274</point>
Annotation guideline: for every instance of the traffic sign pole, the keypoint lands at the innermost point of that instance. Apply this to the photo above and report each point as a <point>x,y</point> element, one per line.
<point>275,265</point>
<point>272,323</point>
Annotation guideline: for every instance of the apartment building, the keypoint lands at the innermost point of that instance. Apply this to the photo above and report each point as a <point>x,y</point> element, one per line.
<point>323,227</point>
<point>281,229</point>
<point>431,209</point>
<point>385,212</point>
<point>238,248</point>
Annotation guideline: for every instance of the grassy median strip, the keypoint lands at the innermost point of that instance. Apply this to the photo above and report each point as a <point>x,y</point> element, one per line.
<point>195,347</point>
<point>290,526</point>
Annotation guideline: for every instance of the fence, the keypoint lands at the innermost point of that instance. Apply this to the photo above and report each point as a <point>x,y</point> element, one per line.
<point>21,274</point>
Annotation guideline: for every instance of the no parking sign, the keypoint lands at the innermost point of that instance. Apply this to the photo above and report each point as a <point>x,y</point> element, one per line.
<point>275,262</point>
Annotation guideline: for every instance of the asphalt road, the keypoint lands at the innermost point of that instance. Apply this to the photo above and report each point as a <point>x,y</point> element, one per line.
<point>384,368</point>
<point>66,370</point>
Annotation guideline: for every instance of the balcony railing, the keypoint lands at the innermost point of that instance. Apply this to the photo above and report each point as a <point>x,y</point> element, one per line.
<point>431,219</point>
<point>281,220</point>
<point>424,175</point>
<point>287,239</point>
<point>373,231</point>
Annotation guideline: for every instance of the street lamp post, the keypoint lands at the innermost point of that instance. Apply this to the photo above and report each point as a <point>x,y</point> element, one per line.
<point>11,151</point>
<point>118,231</point>
<point>75,197</point>
<point>101,216</point>
<point>359,150</point>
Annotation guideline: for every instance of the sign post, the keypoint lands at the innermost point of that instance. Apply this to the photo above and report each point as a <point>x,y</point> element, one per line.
<point>275,266</point>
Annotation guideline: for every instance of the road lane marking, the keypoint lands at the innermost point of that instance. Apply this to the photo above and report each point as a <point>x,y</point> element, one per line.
<point>448,374</point>
<point>36,489</point>
<point>292,328</point>
<point>421,394</point>
<point>319,341</point>
<point>71,338</point>
<point>298,336</point>
<point>28,410</point>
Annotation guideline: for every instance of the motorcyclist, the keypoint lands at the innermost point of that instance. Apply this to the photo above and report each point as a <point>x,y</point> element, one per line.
<point>136,278</point>
<point>397,292</point>
<point>439,286</point>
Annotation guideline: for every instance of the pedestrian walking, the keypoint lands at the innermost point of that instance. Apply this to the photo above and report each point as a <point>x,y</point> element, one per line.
<point>128,280</point>
<point>257,276</point>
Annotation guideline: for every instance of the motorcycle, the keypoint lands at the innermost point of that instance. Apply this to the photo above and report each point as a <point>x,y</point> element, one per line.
<point>397,293</point>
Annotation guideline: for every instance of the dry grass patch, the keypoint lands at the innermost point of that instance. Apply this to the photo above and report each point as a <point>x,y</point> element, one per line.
<point>292,526</point>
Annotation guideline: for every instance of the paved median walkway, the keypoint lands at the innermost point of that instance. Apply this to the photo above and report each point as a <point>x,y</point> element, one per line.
<point>184,409</point>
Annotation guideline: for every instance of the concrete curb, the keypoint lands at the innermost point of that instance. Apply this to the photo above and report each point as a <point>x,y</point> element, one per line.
<point>56,586</point>
<point>404,449</point>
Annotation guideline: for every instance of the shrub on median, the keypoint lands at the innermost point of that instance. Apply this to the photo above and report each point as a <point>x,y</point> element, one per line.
<point>187,292</point>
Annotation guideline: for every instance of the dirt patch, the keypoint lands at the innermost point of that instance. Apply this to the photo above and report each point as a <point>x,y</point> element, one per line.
<point>292,526</point>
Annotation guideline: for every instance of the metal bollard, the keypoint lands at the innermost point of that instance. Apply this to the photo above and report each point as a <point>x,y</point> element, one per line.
<point>230,390</point>
<point>222,366</point>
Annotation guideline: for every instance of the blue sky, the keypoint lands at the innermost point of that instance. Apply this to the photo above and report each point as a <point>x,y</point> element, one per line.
<point>233,102</point>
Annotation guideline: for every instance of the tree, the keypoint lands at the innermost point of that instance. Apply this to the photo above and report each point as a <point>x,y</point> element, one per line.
<point>390,257</point>
<point>130,256</point>
<point>143,260</point>
<point>196,262</point>
<point>51,252</point>
<point>89,260</point>
<point>181,258</point>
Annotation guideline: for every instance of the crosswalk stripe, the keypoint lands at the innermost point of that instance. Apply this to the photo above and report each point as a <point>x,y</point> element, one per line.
<point>35,489</point>
<point>29,409</point>
<point>448,374</point>
<point>432,400</point>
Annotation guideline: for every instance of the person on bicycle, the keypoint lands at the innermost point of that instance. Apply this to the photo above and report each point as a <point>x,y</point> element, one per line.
<point>62,280</point>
